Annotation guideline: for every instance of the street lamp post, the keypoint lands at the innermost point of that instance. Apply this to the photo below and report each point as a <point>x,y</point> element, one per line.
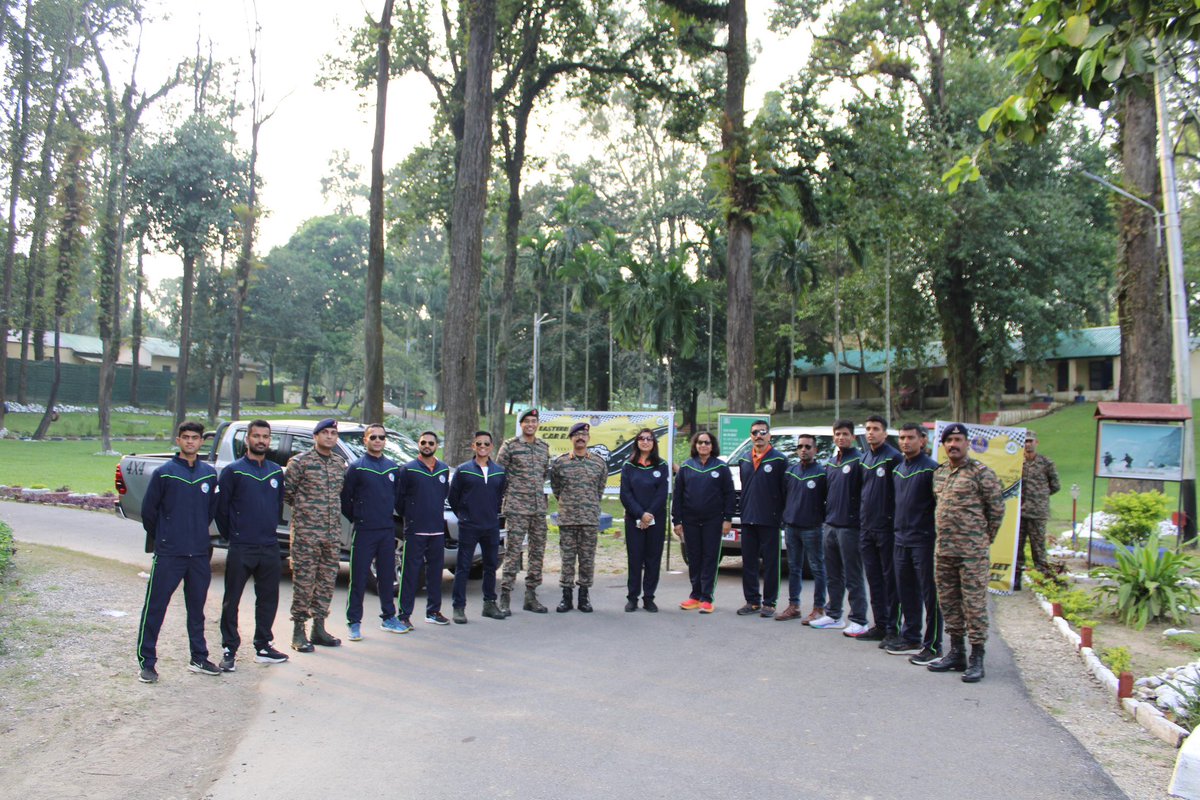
<point>537,340</point>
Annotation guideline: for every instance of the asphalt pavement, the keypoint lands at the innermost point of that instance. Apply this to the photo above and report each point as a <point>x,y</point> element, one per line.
<point>616,704</point>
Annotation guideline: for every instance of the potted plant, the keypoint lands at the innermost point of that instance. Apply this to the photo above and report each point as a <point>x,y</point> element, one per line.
<point>1079,398</point>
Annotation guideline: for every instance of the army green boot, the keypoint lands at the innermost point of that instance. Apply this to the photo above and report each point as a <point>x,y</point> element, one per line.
<point>300,642</point>
<point>974,673</point>
<point>321,636</point>
<point>491,611</point>
<point>955,660</point>
<point>505,600</point>
<point>532,603</point>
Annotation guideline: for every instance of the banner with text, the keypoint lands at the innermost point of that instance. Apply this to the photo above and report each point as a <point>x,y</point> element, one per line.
<point>613,435</point>
<point>1002,449</point>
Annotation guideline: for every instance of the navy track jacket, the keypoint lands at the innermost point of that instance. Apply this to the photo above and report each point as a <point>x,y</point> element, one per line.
<point>806,488</point>
<point>179,505</point>
<point>250,503</point>
<point>645,489</point>
<point>474,500</point>
<point>369,493</point>
<point>762,488</point>
<point>703,492</point>
<point>421,498</point>
<point>844,477</point>
<point>878,502</point>
<point>915,501</point>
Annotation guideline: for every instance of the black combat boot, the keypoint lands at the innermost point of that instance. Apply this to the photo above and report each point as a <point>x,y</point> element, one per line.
<point>321,636</point>
<point>532,603</point>
<point>300,642</point>
<point>584,605</point>
<point>505,600</point>
<point>955,660</point>
<point>567,603</point>
<point>974,673</point>
<point>491,611</point>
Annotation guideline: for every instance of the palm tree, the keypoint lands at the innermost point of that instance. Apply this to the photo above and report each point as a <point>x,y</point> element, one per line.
<point>790,260</point>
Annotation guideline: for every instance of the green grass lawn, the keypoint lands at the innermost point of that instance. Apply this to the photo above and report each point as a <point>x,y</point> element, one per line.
<point>1068,437</point>
<point>80,424</point>
<point>56,464</point>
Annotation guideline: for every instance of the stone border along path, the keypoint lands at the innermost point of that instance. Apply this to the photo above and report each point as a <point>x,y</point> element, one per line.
<point>1185,781</point>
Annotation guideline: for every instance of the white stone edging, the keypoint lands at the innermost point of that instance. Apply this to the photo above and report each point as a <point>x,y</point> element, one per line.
<point>1145,714</point>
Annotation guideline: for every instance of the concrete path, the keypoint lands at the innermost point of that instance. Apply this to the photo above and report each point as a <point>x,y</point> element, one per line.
<point>615,705</point>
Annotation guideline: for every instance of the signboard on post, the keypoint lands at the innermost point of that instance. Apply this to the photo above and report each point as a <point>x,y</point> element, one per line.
<point>1002,449</point>
<point>733,429</point>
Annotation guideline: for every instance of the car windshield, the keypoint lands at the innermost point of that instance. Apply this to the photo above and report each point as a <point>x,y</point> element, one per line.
<point>398,447</point>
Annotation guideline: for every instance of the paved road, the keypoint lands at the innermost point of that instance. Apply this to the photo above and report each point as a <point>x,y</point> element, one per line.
<point>616,705</point>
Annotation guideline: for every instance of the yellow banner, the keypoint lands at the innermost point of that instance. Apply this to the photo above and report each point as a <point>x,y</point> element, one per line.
<point>613,435</point>
<point>1002,449</point>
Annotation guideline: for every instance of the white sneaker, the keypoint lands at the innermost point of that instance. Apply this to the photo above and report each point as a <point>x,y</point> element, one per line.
<point>854,630</point>
<point>827,622</point>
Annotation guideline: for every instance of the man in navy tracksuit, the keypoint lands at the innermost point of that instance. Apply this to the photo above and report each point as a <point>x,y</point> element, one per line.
<point>843,559</point>
<point>915,539</point>
<point>878,506</point>
<point>475,496</point>
<point>421,500</point>
<point>249,508</point>
<point>369,501</point>
<point>803,515</point>
<point>179,505</point>
<point>762,472</point>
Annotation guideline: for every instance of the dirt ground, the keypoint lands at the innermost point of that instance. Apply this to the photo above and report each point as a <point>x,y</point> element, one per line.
<point>76,723</point>
<point>74,719</point>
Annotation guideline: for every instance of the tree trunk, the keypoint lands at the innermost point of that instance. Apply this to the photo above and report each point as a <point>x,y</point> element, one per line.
<point>740,332</point>
<point>304,386</point>
<point>185,336</point>
<point>372,409</point>
<point>466,237</point>
<point>16,160</point>
<point>960,338</point>
<point>514,162</point>
<point>1142,293</point>
<point>48,415</point>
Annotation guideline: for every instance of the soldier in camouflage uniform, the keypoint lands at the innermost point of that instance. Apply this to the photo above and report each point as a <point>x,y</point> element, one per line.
<point>1039,480</point>
<point>312,486</point>
<point>524,459</point>
<point>577,479</point>
<point>970,508</point>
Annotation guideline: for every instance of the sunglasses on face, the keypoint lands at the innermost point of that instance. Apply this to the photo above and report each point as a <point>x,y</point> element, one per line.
<point>377,438</point>
<point>428,443</point>
<point>645,438</point>
<point>483,444</point>
<point>758,433</point>
<point>704,442</point>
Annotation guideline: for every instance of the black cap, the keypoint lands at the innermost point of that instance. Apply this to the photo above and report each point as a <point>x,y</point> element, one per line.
<point>323,424</point>
<point>577,427</point>
<point>953,428</point>
<point>529,412</point>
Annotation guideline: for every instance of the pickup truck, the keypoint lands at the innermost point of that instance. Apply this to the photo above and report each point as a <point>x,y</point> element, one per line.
<point>288,438</point>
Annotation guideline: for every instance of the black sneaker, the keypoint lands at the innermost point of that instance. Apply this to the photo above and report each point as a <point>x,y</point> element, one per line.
<point>436,618</point>
<point>889,640</point>
<point>903,648</point>
<point>926,657</point>
<point>269,655</point>
<point>228,661</point>
<point>748,609</point>
<point>148,675</point>
<point>204,667</point>
<point>872,634</point>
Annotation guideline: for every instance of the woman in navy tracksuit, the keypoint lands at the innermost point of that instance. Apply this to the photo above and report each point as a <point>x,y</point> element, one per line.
<point>701,512</point>
<point>644,494</point>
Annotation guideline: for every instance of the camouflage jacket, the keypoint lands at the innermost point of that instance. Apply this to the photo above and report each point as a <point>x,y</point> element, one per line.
<point>525,465</point>
<point>970,507</point>
<point>1039,480</point>
<point>578,483</point>
<point>312,485</point>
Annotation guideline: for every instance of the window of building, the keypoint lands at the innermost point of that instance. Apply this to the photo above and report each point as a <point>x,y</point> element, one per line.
<point>1064,376</point>
<point>1100,375</point>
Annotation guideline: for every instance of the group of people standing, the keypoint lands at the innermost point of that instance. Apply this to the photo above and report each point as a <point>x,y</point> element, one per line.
<point>914,533</point>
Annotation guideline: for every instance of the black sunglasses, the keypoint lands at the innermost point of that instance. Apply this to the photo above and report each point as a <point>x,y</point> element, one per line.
<point>377,438</point>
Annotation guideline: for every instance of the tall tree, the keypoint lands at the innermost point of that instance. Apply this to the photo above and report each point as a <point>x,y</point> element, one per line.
<point>740,195</point>
<point>373,314</point>
<point>460,396</point>
<point>122,115</point>
<point>190,183</point>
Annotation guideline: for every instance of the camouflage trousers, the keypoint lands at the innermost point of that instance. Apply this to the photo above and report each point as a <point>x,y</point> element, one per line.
<point>962,583</point>
<point>577,542</point>
<point>314,574</point>
<point>519,527</point>
<point>1033,531</point>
